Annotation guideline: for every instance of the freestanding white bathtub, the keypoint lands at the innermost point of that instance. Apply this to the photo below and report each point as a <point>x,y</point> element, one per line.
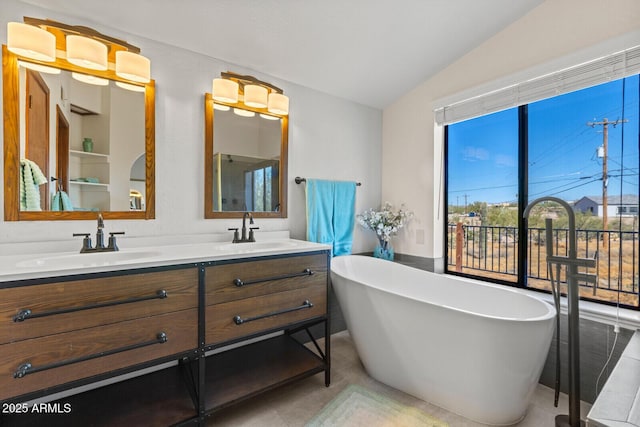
<point>470,347</point>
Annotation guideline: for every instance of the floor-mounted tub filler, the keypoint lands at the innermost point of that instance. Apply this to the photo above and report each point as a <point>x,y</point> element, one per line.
<point>473,348</point>
<point>571,262</point>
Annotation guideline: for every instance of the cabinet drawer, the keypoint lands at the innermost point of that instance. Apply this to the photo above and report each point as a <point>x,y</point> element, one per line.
<point>264,312</point>
<point>235,281</point>
<point>56,359</point>
<point>64,306</point>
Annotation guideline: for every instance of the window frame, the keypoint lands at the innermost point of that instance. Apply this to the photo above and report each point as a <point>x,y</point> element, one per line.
<point>523,198</point>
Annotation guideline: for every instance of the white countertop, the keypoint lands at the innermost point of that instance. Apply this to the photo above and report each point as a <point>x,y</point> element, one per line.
<point>157,252</point>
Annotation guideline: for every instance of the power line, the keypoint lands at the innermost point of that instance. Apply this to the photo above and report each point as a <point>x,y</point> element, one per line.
<point>563,189</point>
<point>592,178</point>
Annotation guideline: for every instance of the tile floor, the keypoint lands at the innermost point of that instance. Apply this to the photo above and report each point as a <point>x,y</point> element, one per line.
<point>295,404</point>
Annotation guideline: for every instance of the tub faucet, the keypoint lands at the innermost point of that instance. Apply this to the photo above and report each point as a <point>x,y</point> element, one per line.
<point>572,262</point>
<point>100,247</point>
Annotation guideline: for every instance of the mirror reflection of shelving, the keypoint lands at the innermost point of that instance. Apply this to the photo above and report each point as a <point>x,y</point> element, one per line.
<point>100,176</point>
<point>89,180</point>
<point>89,171</point>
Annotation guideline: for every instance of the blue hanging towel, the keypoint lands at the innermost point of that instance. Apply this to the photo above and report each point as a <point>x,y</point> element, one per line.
<point>61,202</point>
<point>319,195</point>
<point>331,213</point>
<point>344,213</point>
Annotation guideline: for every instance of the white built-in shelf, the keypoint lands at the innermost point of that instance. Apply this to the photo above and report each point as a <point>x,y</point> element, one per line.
<point>95,186</point>
<point>86,155</point>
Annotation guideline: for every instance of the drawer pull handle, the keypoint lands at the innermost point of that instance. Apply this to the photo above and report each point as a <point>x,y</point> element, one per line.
<point>26,313</point>
<point>239,282</point>
<point>27,368</point>
<point>239,320</point>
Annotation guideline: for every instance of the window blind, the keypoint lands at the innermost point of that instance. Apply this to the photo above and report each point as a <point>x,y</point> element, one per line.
<point>612,67</point>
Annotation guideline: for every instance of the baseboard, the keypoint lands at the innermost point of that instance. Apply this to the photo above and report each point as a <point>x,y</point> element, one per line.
<point>435,265</point>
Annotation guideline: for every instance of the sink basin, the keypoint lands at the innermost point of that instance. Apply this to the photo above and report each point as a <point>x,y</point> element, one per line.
<point>256,246</point>
<point>91,259</point>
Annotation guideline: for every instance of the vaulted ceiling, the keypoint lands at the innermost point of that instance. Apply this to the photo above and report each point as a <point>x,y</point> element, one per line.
<point>367,51</point>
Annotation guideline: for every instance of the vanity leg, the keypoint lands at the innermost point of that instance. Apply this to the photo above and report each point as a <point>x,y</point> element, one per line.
<point>201,387</point>
<point>327,353</point>
<point>186,367</point>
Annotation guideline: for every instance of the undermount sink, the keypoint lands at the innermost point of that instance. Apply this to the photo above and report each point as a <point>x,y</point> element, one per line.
<point>256,246</point>
<point>91,259</point>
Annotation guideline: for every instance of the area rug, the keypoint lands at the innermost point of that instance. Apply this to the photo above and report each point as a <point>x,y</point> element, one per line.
<point>356,406</point>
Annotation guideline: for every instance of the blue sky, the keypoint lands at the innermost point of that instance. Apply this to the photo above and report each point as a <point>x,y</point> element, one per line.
<point>563,160</point>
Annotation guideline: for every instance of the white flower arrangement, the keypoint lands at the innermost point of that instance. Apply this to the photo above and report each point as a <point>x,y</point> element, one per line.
<point>386,222</point>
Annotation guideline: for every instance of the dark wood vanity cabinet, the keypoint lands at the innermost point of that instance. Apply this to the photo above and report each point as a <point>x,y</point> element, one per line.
<point>245,299</point>
<point>56,333</point>
<point>61,333</point>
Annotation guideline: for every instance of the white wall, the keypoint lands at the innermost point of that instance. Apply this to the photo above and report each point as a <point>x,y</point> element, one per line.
<point>328,138</point>
<point>556,34</point>
<point>126,142</point>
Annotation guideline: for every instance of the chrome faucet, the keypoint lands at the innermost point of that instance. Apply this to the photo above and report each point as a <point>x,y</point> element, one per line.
<point>100,234</point>
<point>244,238</point>
<point>100,247</point>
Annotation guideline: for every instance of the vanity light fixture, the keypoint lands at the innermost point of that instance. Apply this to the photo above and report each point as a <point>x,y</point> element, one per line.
<point>37,41</point>
<point>31,42</point>
<point>255,96</point>
<point>278,104</point>
<point>232,88</point>
<point>132,66</point>
<point>225,90</point>
<point>221,107</point>
<point>86,53</point>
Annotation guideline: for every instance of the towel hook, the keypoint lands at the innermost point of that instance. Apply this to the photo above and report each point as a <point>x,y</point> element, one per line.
<point>59,186</point>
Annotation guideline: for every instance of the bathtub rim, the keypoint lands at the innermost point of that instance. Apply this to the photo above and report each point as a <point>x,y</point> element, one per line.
<point>551,311</point>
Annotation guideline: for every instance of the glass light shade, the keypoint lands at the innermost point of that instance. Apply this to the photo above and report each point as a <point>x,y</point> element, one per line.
<point>221,107</point>
<point>39,67</point>
<point>92,80</point>
<point>132,66</point>
<point>86,53</point>
<point>255,96</point>
<point>225,90</point>
<point>128,86</point>
<point>278,104</point>
<point>31,42</point>
<point>243,113</point>
<point>268,117</point>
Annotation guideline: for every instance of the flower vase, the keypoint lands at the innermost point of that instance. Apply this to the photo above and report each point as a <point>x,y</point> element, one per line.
<point>384,250</point>
<point>87,145</point>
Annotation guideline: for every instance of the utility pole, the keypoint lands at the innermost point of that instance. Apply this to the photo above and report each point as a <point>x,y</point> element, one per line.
<point>605,149</point>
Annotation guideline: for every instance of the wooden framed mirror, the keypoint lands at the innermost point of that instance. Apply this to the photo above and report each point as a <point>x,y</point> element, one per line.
<point>94,144</point>
<point>246,153</point>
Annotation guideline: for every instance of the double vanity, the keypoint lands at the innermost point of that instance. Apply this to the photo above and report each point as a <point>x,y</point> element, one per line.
<point>170,333</point>
<point>160,332</point>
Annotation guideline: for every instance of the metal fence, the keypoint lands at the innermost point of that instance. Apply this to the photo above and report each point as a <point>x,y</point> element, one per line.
<point>490,249</point>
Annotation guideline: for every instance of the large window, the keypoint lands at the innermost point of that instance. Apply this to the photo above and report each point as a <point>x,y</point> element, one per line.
<point>580,147</point>
<point>482,157</point>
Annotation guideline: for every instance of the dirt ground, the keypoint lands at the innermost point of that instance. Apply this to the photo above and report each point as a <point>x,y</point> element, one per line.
<point>500,264</point>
